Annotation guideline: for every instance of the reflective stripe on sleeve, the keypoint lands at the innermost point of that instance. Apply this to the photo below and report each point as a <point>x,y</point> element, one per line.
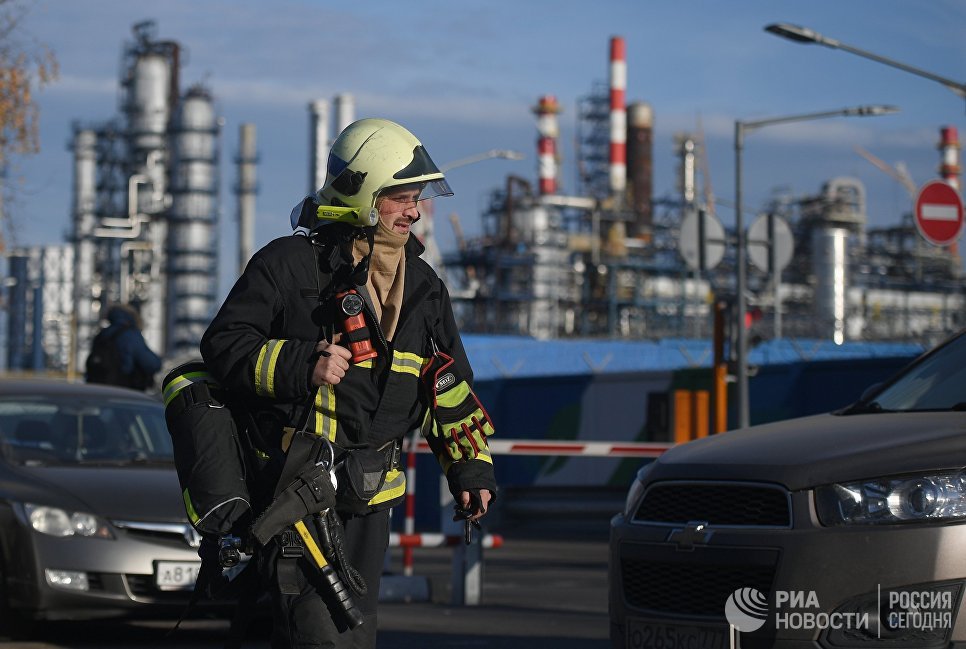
<point>393,487</point>
<point>189,508</point>
<point>265,368</point>
<point>325,421</point>
<point>407,362</point>
<point>174,387</point>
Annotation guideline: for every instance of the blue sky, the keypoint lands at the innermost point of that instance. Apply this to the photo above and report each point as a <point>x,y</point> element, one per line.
<point>464,75</point>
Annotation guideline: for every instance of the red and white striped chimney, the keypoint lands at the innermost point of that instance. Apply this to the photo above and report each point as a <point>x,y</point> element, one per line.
<point>949,167</point>
<point>546,111</point>
<point>618,117</point>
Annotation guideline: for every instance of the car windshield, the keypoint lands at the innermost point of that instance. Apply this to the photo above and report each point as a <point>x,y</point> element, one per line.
<point>39,430</point>
<point>938,382</point>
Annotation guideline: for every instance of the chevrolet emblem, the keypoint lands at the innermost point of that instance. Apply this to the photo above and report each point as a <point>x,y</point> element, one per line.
<point>694,533</point>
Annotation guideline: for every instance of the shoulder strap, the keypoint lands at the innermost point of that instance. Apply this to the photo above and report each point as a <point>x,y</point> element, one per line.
<point>301,449</point>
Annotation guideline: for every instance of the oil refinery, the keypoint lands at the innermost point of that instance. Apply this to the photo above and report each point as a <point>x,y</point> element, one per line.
<point>610,261</point>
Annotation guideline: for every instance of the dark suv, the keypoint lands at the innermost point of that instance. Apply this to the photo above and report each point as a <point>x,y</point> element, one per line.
<point>837,530</point>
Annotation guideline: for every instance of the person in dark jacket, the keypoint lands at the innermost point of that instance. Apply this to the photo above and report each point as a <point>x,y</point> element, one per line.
<point>119,354</point>
<point>347,333</point>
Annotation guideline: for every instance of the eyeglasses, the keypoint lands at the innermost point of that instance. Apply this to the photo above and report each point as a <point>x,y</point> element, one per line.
<point>398,202</point>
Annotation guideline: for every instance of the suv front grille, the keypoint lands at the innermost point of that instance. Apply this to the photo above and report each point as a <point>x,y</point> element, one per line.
<point>662,580</point>
<point>717,504</point>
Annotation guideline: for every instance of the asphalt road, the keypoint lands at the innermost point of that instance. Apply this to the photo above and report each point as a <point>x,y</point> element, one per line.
<point>538,591</point>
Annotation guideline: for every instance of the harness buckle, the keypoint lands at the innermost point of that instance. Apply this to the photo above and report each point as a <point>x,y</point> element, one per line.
<point>291,545</point>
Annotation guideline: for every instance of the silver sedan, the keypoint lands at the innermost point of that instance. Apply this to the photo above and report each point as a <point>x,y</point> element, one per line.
<point>91,522</point>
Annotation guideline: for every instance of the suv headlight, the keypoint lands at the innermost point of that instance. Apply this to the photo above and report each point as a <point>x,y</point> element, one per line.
<point>930,497</point>
<point>59,522</point>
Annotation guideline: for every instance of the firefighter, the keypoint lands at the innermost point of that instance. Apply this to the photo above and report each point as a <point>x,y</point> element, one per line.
<point>345,332</point>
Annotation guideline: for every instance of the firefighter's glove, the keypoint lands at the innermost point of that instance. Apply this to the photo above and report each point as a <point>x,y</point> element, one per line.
<point>310,492</point>
<point>475,507</point>
<point>458,417</point>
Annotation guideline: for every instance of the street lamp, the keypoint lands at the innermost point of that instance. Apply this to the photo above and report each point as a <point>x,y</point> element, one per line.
<point>506,154</point>
<point>741,127</point>
<point>805,35</point>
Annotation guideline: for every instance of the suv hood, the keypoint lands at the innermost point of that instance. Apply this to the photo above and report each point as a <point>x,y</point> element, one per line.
<point>811,451</point>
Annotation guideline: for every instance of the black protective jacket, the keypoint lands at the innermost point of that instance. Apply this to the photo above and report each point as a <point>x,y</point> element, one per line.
<point>261,346</point>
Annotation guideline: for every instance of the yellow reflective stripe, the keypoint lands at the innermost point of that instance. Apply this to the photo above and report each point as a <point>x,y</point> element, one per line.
<point>366,363</point>
<point>407,362</point>
<point>174,387</point>
<point>190,508</point>
<point>445,463</point>
<point>311,544</point>
<point>394,487</point>
<point>325,420</point>
<point>265,368</point>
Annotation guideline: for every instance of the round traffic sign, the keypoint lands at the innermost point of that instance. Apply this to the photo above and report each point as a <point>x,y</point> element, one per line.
<point>939,213</point>
<point>701,230</point>
<point>760,242</point>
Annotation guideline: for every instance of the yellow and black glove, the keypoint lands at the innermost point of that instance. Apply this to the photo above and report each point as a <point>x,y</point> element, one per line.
<point>456,417</point>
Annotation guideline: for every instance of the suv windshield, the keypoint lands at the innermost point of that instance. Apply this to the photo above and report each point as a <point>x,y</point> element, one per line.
<point>71,430</point>
<point>938,382</point>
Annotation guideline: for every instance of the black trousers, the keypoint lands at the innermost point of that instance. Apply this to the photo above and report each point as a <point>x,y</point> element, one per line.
<point>310,619</point>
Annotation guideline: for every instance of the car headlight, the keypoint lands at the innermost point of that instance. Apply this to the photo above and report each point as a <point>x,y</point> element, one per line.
<point>930,497</point>
<point>59,522</point>
<point>636,490</point>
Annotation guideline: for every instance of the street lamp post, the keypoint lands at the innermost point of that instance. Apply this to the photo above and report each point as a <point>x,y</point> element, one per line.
<point>506,154</point>
<point>805,35</point>
<point>742,127</point>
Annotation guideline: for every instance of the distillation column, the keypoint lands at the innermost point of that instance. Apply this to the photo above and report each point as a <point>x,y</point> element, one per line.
<point>345,114</point>
<point>247,188</point>
<point>318,143</point>
<point>193,218</point>
<point>842,215</point>
<point>150,81</point>
<point>86,302</point>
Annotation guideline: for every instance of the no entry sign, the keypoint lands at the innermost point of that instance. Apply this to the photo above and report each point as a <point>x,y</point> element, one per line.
<point>939,213</point>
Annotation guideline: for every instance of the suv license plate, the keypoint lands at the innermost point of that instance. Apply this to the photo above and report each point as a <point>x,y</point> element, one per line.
<point>644,634</point>
<point>176,575</point>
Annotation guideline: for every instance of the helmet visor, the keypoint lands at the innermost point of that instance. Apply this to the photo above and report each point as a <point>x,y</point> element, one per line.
<point>400,197</point>
<point>435,189</point>
<point>423,171</point>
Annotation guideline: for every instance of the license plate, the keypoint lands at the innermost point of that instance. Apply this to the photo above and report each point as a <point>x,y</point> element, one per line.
<point>176,575</point>
<point>644,634</point>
